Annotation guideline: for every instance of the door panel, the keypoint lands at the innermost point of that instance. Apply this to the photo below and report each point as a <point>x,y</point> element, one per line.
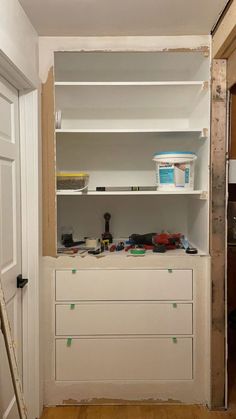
<point>7,211</point>
<point>10,238</point>
<point>6,109</point>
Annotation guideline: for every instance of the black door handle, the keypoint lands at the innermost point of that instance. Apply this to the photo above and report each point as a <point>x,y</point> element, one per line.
<point>21,282</point>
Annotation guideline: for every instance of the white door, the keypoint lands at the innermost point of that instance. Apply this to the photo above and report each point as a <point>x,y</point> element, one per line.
<point>10,238</point>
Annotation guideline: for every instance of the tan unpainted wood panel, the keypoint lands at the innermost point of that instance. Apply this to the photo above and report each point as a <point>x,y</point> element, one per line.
<point>231,70</point>
<point>224,39</point>
<point>135,412</point>
<point>233,121</point>
<point>48,157</point>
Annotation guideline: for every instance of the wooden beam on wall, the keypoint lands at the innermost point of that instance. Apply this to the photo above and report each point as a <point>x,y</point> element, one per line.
<point>218,230</point>
<point>224,39</point>
<point>232,148</point>
<point>49,164</point>
<point>231,70</point>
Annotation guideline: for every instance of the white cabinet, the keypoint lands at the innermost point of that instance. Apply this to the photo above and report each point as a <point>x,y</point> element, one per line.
<point>123,284</point>
<point>124,318</point>
<point>124,359</point>
<point>106,316</point>
<point>125,328</point>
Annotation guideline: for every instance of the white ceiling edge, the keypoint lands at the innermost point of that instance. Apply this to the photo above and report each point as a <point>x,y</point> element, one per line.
<point>123,17</point>
<point>49,44</point>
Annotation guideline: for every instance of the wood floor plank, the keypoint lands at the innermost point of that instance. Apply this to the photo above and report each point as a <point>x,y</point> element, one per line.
<point>136,412</point>
<point>70,412</point>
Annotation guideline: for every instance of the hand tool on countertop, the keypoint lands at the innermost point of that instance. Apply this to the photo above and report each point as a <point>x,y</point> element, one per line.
<point>107,235</point>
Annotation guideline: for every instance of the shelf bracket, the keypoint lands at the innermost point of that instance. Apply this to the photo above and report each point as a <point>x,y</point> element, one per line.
<point>204,133</point>
<point>204,195</point>
<point>205,85</point>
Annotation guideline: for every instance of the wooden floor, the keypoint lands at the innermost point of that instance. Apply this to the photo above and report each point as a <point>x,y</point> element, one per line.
<point>135,412</point>
<point>151,412</point>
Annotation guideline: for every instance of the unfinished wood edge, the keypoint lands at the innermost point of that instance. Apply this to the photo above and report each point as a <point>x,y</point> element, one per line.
<point>232,143</point>
<point>231,70</point>
<point>224,37</point>
<point>49,167</point>
<point>204,49</point>
<point>218,231</point>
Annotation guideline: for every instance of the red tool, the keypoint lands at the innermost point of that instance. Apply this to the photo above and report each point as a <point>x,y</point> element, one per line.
<point>171,241</point>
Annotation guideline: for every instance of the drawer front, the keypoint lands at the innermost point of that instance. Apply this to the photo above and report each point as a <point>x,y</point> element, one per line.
<point>123,319</point>
<point>124,359</point>
<point>123,284</point>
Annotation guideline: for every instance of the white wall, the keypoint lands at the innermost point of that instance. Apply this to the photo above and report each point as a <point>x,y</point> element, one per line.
<point>18,39</point>
<point>48,45</point>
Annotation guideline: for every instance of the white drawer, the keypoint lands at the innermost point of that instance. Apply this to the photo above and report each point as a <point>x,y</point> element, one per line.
<point>123,284</point>
<point>124,359</point>
<point>123,319</point>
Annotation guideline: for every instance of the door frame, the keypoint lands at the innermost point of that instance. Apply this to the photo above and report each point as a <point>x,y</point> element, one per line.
<point>29,105</point>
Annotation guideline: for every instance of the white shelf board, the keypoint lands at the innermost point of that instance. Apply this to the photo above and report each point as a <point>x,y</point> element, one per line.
<point>124,254</point>
<point>131,83</point>
<point>201,132</point>
<point>109,97</point>
<point>200,193</point>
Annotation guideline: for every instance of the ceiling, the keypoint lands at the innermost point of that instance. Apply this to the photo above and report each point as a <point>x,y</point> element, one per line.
<point>122,17</point>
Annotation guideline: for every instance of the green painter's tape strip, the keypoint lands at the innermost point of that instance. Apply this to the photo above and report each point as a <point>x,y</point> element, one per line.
<point>74,271</point>
<point>72,306</point>
<point>174,305</point>
<point>69,342</point>
<point>174,340</point>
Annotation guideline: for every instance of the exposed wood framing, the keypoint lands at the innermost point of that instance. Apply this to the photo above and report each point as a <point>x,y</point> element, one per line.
<point>218,230</point>
<point>49,178</point>
<point>232,151</point>
<point>231,70</point>
<point>224,39</point>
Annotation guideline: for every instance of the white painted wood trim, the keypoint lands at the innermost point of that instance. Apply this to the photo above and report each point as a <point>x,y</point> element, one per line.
<point>29,126</point>
<point>11,73</point>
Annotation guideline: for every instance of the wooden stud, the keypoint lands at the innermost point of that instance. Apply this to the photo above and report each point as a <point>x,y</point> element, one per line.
<point>49,157</point>
<point>232,151</point>
<point>224,38</point>
<point>218,230</point>
<point>231,70</point>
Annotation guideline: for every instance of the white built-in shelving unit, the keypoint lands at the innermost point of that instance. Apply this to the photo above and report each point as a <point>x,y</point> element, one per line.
<point>118,109</point>
<point>120,328</point>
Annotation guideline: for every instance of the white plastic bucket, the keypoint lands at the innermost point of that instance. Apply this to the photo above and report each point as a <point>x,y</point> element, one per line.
<point>175,170</point>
